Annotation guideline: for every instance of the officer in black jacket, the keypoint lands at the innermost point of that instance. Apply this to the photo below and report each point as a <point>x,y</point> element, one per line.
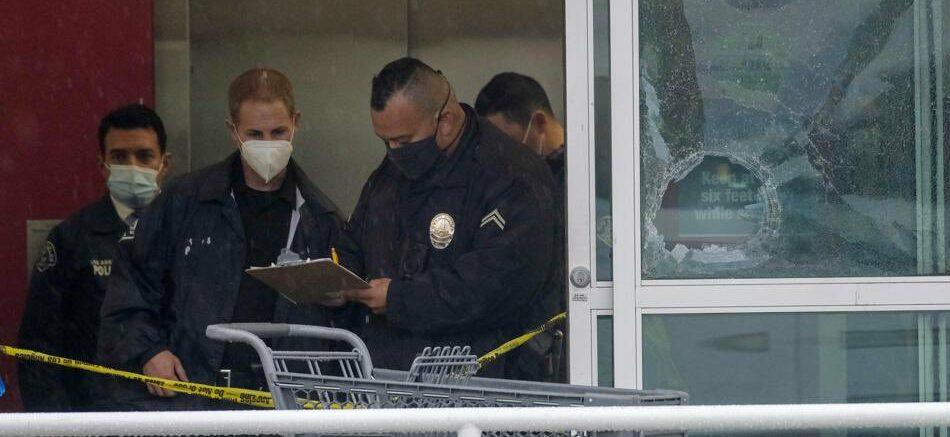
<point>518,105</point>
<point>452,229</point>
<point>69,278</point>
<point>184,267</point>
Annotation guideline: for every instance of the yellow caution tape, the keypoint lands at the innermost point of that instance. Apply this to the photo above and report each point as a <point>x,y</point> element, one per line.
<point>510,345</point>
<point>243,396</point>
<point>254,398</point>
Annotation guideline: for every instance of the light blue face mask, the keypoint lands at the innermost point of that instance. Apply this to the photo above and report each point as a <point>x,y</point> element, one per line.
<point>134,186</point>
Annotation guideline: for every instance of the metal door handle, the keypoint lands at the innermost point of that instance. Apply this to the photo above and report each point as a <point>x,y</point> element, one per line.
<point>580,277</point>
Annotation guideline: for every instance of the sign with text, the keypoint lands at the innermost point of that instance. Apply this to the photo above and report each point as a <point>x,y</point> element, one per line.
<point>717,202</point>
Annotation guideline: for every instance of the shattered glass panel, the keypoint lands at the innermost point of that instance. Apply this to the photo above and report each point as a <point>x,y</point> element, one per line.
<point>792,138</point>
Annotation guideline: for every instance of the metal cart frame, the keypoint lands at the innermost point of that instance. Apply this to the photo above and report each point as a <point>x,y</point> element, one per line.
<point>439,377</point>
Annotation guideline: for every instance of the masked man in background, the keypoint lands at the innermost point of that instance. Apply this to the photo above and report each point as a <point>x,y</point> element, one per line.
<point>519,106</point>
<point>69,278</point>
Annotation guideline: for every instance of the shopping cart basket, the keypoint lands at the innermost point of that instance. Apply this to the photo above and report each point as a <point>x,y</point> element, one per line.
<point>438,377</point>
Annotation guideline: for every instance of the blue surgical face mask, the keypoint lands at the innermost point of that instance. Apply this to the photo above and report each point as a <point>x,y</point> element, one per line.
<point>134,186</point>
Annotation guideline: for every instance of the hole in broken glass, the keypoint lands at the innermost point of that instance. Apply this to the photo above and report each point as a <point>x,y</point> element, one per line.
<point>714,209</point>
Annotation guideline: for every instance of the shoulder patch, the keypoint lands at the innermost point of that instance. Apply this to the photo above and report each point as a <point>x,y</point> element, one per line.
<point>48,258</point>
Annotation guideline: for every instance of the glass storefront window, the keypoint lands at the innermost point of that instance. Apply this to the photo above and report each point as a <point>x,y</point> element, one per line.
<point>792,138</point>
<point>602,173</point>
<point>780,358</point>
<point>798,358</point>
<point>605,351</point>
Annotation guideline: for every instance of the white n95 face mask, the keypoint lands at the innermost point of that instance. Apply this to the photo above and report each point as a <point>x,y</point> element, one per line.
<point>134,186</point>
<point>267,158</point>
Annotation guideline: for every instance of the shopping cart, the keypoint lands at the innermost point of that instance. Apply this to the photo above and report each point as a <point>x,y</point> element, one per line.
<point>438,377</point>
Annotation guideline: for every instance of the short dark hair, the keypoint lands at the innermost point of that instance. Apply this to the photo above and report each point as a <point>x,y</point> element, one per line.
<point>402,74</point>
<point>513,95</point>
<point>134,116</point>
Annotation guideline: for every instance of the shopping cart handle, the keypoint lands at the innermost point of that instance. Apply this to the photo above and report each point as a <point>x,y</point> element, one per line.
<point>262,330</point>
<point>251,333</point>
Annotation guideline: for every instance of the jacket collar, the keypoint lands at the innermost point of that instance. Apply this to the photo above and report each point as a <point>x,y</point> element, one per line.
<point>286,192</point>
<point>454,171</point>
<point>217,185</point>
<point>315,200</point>
<point>106,219</point>
<point>556,160</point>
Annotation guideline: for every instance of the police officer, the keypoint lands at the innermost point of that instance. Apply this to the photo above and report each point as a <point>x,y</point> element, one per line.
<point>184,268</point>
<point>69,278</point>
<point>519,106</point>
<point>451,229</point>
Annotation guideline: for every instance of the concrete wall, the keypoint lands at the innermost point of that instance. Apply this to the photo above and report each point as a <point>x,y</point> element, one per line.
<point>471,41</point>
<point>330,49</point>
<point>173,90</point>
<point>335,144</point>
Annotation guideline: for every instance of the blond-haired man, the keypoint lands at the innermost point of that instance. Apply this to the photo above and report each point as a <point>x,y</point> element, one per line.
<point>183,269</point>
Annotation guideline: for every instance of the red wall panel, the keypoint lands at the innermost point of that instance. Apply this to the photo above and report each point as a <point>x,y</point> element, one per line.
<point>63,65</point>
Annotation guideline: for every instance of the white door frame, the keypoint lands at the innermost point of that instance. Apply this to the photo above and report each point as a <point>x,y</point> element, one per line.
<point>578,78</point>
<point>625,207</point>
<point>585,303</point>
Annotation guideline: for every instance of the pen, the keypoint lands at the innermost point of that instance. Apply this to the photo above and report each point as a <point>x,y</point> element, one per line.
<point>334,256</point>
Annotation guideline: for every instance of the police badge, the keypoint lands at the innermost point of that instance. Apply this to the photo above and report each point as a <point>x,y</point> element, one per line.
<point>441,230</point>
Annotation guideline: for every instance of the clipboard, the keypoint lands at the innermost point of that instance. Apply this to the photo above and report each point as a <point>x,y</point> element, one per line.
<point>310,281</point>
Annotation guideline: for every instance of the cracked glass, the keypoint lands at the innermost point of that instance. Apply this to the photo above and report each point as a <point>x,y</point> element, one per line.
<point>793,138</point>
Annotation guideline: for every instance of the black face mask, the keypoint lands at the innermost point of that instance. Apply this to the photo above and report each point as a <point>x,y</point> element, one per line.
<point>415,159</point>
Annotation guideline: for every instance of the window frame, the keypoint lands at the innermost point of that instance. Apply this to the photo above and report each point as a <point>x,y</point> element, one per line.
<point>634,296</point>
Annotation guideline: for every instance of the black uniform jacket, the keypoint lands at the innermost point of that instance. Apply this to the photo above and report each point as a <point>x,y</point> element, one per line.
<point>537,360</point>
<point>498,262</point>
<point>62,309</point>
<point>180,271</point>
<point>556,301</point>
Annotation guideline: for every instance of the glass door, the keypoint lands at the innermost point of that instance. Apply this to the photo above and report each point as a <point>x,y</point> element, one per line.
<point>590,236</point>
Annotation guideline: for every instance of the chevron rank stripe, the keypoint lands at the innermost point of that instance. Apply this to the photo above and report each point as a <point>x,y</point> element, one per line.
<point>493,217</point>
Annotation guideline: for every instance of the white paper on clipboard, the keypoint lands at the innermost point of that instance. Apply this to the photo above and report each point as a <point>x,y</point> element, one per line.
<point>309,282</point>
